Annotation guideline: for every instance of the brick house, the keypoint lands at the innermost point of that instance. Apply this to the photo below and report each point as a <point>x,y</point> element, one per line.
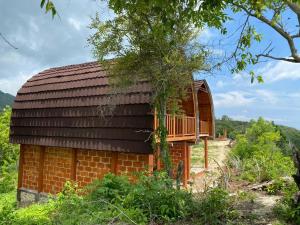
<point>70,127</point>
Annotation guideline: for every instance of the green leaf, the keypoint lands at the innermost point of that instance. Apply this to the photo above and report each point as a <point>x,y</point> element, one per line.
<point>260,79</point>
<point>42,3</point>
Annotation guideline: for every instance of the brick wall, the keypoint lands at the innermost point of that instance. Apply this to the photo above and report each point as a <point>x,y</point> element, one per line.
<point>59,165</point>
<point>179,151</point>
<point>131,163</point>
<point>92,165</point>
<point>57,168</point>
<point>30,167</point>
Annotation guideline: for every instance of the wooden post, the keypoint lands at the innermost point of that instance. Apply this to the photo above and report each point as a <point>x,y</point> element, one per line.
<point>158,167</point>
<point>185,165</point>
<point>150,160</point>
<point>41,169</point>
<point>197,128</point>
<point>74,164</point>
<point>114,163</point>
<point>188,161</point>
<point>174,126</point>
<point>21,163</point>
<point>206,152</point>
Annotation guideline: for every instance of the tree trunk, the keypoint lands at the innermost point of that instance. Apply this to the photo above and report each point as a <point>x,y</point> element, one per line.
<point>162,135</point>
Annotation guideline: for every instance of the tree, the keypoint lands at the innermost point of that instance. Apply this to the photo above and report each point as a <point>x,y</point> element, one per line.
<point>8,152</point>
<point>271,13</point>
<point>153,41</point>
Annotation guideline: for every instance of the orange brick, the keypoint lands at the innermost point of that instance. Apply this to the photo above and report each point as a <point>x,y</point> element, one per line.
<point>127,163</point>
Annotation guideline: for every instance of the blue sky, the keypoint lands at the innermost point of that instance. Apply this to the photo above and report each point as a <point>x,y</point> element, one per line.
<point>43,43</point>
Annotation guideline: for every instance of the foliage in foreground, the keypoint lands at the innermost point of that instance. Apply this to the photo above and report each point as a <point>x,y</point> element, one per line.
<point>286,209</point>
<point>116,200</point>
<point>257,156</point>
<point>8,154</point>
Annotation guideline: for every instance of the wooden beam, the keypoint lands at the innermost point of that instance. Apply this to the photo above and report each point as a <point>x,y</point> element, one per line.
<point>74,164</point>
<point>114,163</point>
<point>170,139</point>
<point>21,163</point>
<point>41,169</point>
<point>206,152</point>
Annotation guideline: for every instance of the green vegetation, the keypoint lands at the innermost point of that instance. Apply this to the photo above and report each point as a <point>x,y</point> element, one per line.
<point>8,154</point>
<point>234,127</point>
<point>115,200</point>
<point>5,99</point>
<point>257,157</point>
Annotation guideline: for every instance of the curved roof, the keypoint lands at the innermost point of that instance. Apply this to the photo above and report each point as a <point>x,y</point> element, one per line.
<point>62,106</point>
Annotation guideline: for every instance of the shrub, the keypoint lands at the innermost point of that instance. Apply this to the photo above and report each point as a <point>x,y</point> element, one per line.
<point>157,200</point>
<point>214,207</point>
<point>114,198</point>
<point>286,209</point>
<point>259,156</point>
<point>267,165</point>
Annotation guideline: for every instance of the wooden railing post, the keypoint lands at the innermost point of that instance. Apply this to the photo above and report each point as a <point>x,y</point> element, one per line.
<point>174,126</point>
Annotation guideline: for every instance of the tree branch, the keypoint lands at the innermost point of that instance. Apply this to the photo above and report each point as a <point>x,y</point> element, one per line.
<point>277,58</point>
<point>278,29</point>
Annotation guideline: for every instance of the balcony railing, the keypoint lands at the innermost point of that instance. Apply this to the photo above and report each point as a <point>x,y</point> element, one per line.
<point>180,127</point>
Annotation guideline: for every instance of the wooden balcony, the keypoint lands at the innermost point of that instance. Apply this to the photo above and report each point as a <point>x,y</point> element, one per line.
<point>179,127</point>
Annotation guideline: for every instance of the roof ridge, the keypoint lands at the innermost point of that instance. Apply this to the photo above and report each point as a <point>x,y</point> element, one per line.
<point>71,65</point>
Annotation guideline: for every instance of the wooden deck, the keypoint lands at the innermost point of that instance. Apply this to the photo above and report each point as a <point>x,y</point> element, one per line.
<point>181,127</point>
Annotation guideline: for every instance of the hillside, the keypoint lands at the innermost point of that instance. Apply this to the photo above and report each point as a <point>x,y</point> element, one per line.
<point>5,99</point>
<point>235,127</point>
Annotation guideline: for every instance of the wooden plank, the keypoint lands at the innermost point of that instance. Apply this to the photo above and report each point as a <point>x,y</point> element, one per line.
<point>74,164</point>
<point>21,163</point>
<point>41,168</point>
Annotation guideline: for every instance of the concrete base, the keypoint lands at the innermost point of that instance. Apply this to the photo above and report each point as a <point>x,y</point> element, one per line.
<point>26,197</point>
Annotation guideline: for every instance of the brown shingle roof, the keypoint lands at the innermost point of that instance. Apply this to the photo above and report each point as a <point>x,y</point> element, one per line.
<point>60,107</point>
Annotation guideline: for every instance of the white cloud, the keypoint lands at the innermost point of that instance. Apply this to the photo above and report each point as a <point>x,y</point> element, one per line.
<point>75,23</point>
<point>12,85</point>
<point>266,96</point>
<point>220,84</point>
<point>276,71</point>
<point>233,99</point>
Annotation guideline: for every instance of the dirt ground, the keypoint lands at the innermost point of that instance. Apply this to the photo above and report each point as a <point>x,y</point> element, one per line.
<point>254,210</point>
<point>217,152</point>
